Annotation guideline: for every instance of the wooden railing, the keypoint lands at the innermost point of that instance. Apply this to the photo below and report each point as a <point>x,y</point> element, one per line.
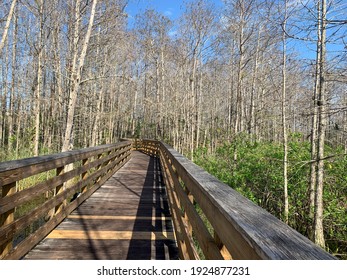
<point>31,208</point>
<point>149,147</point>
<point>213,221</point>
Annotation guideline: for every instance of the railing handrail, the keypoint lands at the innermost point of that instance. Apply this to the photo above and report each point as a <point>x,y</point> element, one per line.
<point>44,163</point>
<point>205,211</point>
<point>240,228</point>
<point>93,167</point>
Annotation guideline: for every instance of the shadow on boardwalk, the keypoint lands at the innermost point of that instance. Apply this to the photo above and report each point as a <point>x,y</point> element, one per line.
<point>127,218</point>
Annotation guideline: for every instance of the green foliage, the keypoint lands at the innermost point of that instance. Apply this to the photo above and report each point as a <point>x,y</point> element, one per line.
<point>138,129</point>
<point>335,205</point>
<point>258,174</point>
<point>24,152</point>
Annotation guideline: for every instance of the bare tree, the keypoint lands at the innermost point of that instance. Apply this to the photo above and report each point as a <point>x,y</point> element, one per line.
<point>7,25</point>
<point>314,130</point>
<point>322,122</point>
<point>77,70</point>
<point>198,27</point>
<point>38,81</point>
<point>11,112</point>
<point>284,115</point>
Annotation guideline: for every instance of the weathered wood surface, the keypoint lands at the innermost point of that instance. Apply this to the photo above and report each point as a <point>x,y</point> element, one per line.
<point>15,170</point>
<point>127,218</point>
<point>246,230</point>
<point>28,214</point>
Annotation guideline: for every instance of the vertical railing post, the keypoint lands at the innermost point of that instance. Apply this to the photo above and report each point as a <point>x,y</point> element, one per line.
<point>191,199</point>
<point>59,189</point>
<point>223,250</point>
<point>7,218</point>
<point>108,161</point>
<point>99,167</point>
<point>84,175</point>
<point>156,148</point>
<point>116,157</point>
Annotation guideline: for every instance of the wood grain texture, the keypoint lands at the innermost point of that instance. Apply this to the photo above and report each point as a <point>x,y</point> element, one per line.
<point>8,231</point>
<point>126,218</point>
<point>101,163</point>
<point>206,242</point>
<point>16,170</point>
<point>25,246</point>
<point>129,217</point>
<point>247,230</point>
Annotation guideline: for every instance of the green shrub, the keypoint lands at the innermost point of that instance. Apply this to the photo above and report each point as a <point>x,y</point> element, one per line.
<point>258,174</point>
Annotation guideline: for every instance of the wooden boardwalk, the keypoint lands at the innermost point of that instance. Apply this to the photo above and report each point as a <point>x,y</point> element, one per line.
<point>127,218</point>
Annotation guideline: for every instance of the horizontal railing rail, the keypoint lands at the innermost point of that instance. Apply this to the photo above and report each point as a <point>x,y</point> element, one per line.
<point>213,221</point>
<point>149,147</point>
<point>37,193</point>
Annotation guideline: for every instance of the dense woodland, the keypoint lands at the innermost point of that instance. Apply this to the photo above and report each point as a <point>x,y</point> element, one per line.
<point>255,91</point>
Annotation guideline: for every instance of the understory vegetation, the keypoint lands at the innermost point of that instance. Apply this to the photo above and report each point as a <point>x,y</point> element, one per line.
<point>258,175</point>
<point>223,82</point>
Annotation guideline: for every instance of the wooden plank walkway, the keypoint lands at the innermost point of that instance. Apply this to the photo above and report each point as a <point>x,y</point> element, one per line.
<point>127,218</point>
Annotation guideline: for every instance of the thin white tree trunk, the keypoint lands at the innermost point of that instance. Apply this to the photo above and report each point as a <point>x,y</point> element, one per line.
<point>284,115</point>
<point>193,106</point>
<point>251,127</point>
<point>76,74</point>
<point>38,84</point>
<point>13,88</point>
<point>313,137</point>
<point>99,98</point>
<point>7,25</point>
<point>322,119</point>
<point>199,100</point>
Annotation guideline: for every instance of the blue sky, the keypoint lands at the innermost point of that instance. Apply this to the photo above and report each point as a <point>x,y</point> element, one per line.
<point>174,8</point>
<point>171,8</point>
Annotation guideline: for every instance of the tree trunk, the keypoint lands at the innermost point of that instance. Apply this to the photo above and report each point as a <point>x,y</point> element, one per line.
<point>193,104</point>
<point>19,119</point>
<point>99,97</point>
<point>199,100</point>
<point>7,25</point>
<point>39,83</point>
<point>251,123</point>
<point>163,92</point>
<point>3,97</point>
<point>284,115</point>
<point>313,136</point>
<point>239,114</point>
<point>58,96</point>
<point>76,73</point>
<point>322,119</point>
<point>158,115</point>
<point>13,88</point>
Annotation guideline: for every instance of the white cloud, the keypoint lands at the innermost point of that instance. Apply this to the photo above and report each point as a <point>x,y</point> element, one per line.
<point>168,13</point>
<point>173,33</point>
